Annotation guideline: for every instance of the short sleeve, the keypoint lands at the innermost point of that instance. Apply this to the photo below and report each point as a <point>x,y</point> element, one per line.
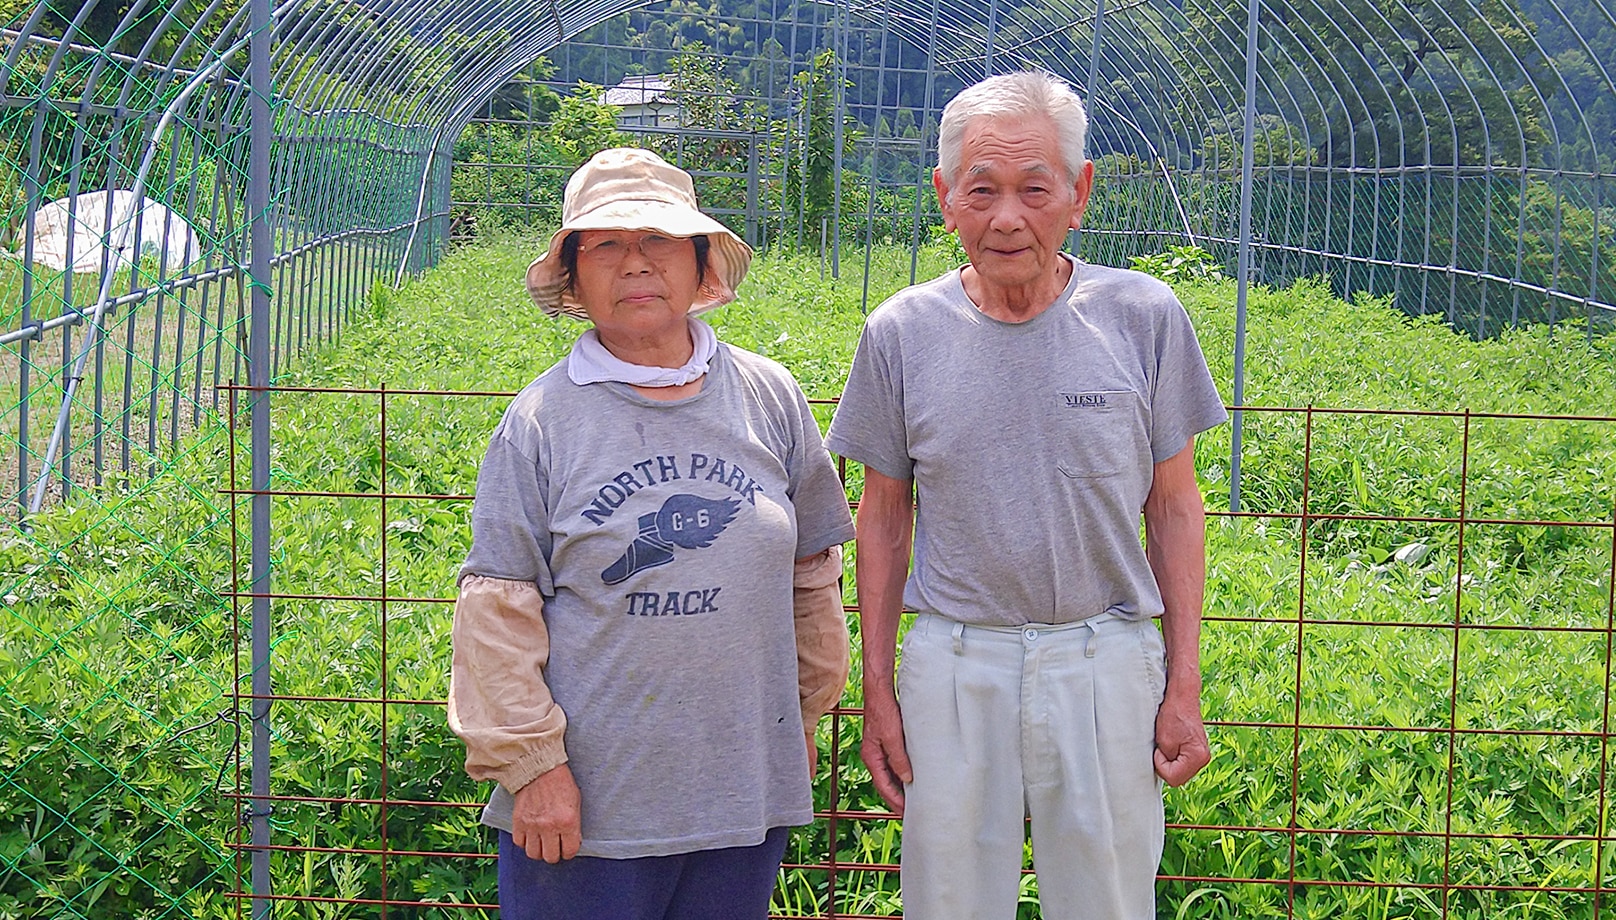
<point>816,492</point>
<point>868,425</point>
<point>1184,401</point>
<point>510,521</point>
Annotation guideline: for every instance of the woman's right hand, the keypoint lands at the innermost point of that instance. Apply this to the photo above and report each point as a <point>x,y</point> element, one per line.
<point>545,821</point>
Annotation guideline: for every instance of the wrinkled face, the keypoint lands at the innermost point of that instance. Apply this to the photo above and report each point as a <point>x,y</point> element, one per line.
<point>1013,200</point>
<point>635,284</point>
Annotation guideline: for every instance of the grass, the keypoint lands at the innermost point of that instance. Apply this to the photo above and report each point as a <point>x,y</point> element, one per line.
<point>1438,692</point>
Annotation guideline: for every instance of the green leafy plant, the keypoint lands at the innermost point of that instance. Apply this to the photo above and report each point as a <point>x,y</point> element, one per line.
<point>1179,264</point>
<point>118,653</point>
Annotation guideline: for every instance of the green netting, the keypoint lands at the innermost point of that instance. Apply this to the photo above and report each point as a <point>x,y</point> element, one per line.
<point>118,651</point>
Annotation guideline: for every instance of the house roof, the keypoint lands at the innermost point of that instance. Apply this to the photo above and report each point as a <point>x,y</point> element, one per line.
<point>639,89</point>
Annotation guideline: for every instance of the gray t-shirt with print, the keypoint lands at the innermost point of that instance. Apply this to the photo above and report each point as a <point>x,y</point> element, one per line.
<point>1031,444</point>
<point>662,536</point>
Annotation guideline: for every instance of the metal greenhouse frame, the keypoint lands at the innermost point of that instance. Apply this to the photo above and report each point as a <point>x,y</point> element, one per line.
<point>1468,178</point>
<point>198,194</point>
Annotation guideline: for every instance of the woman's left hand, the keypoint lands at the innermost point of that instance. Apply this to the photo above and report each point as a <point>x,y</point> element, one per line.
<point>545,820</point>
<point>813,756</point>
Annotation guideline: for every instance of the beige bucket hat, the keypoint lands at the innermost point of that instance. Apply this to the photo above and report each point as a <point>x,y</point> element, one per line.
<point>625,188</point>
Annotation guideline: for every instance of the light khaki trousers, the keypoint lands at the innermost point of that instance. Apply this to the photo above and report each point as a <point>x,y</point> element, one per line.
<point>1055,723</point>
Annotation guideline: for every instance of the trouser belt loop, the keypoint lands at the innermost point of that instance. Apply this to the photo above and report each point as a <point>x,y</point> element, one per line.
<point>959,638</point>
<point>1094,639</point>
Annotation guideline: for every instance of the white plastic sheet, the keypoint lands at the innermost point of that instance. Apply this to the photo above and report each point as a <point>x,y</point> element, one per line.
<point>159,231</point>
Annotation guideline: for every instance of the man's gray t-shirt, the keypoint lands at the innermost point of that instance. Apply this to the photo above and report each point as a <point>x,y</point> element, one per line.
<point>1031,444</point>
<point>662,537</point>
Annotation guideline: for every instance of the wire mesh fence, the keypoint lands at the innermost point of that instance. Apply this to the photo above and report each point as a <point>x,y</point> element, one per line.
<point>1458,162</point>
<point>1408,686</point>
<point>126,287</point>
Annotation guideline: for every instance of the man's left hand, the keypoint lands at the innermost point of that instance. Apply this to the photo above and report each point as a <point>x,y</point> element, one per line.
<point>1182,748</point>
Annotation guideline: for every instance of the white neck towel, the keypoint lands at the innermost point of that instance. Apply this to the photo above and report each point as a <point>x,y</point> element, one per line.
<point>590,362</point>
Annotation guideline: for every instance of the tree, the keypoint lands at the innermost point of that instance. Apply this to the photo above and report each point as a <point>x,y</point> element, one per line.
<point>707,97</point>
<point>1276,143</point>
<point>1396,80</point>
<point>104,24</point>
<point>709,100</point>
<point>526,98</point>
<point>1575,35</point>
<point>812,151</point>
<point>584,126</point>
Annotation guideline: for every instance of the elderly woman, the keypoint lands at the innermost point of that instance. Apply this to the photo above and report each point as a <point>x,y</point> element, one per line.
<point>649,623</point>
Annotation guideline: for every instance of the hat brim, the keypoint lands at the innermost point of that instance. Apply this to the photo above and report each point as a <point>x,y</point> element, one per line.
<point>728,257</point>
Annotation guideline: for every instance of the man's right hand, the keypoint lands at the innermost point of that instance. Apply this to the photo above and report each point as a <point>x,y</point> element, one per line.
<point>546,819</point>
<point>882,749</point>
<point>886,521</point>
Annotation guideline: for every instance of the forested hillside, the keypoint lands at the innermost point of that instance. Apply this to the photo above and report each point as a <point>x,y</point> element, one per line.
<point>1439,86</point>
<point>1510,82</point>
<point>1578,41</point>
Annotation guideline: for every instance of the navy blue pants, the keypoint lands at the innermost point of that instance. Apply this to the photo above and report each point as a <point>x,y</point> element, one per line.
<point>729,884</point>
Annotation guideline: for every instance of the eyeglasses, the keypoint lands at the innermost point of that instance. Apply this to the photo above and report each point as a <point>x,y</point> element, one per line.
<point>653,246</point>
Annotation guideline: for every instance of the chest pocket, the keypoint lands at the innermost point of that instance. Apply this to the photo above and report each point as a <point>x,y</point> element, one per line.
<point>1100,433</point>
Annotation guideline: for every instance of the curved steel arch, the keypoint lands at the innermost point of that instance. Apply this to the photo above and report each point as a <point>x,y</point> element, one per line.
<point>371,94</point>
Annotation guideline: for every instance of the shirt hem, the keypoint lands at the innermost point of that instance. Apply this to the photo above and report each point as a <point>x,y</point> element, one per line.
<point>673,846</point>
<point>849,451</point>
<point>835,537</point>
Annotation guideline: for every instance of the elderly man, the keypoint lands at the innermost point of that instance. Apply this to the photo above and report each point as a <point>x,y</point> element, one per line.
<point>1038,405</point>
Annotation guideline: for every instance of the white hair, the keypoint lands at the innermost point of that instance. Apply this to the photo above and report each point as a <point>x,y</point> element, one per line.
<point>1023,94</point>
